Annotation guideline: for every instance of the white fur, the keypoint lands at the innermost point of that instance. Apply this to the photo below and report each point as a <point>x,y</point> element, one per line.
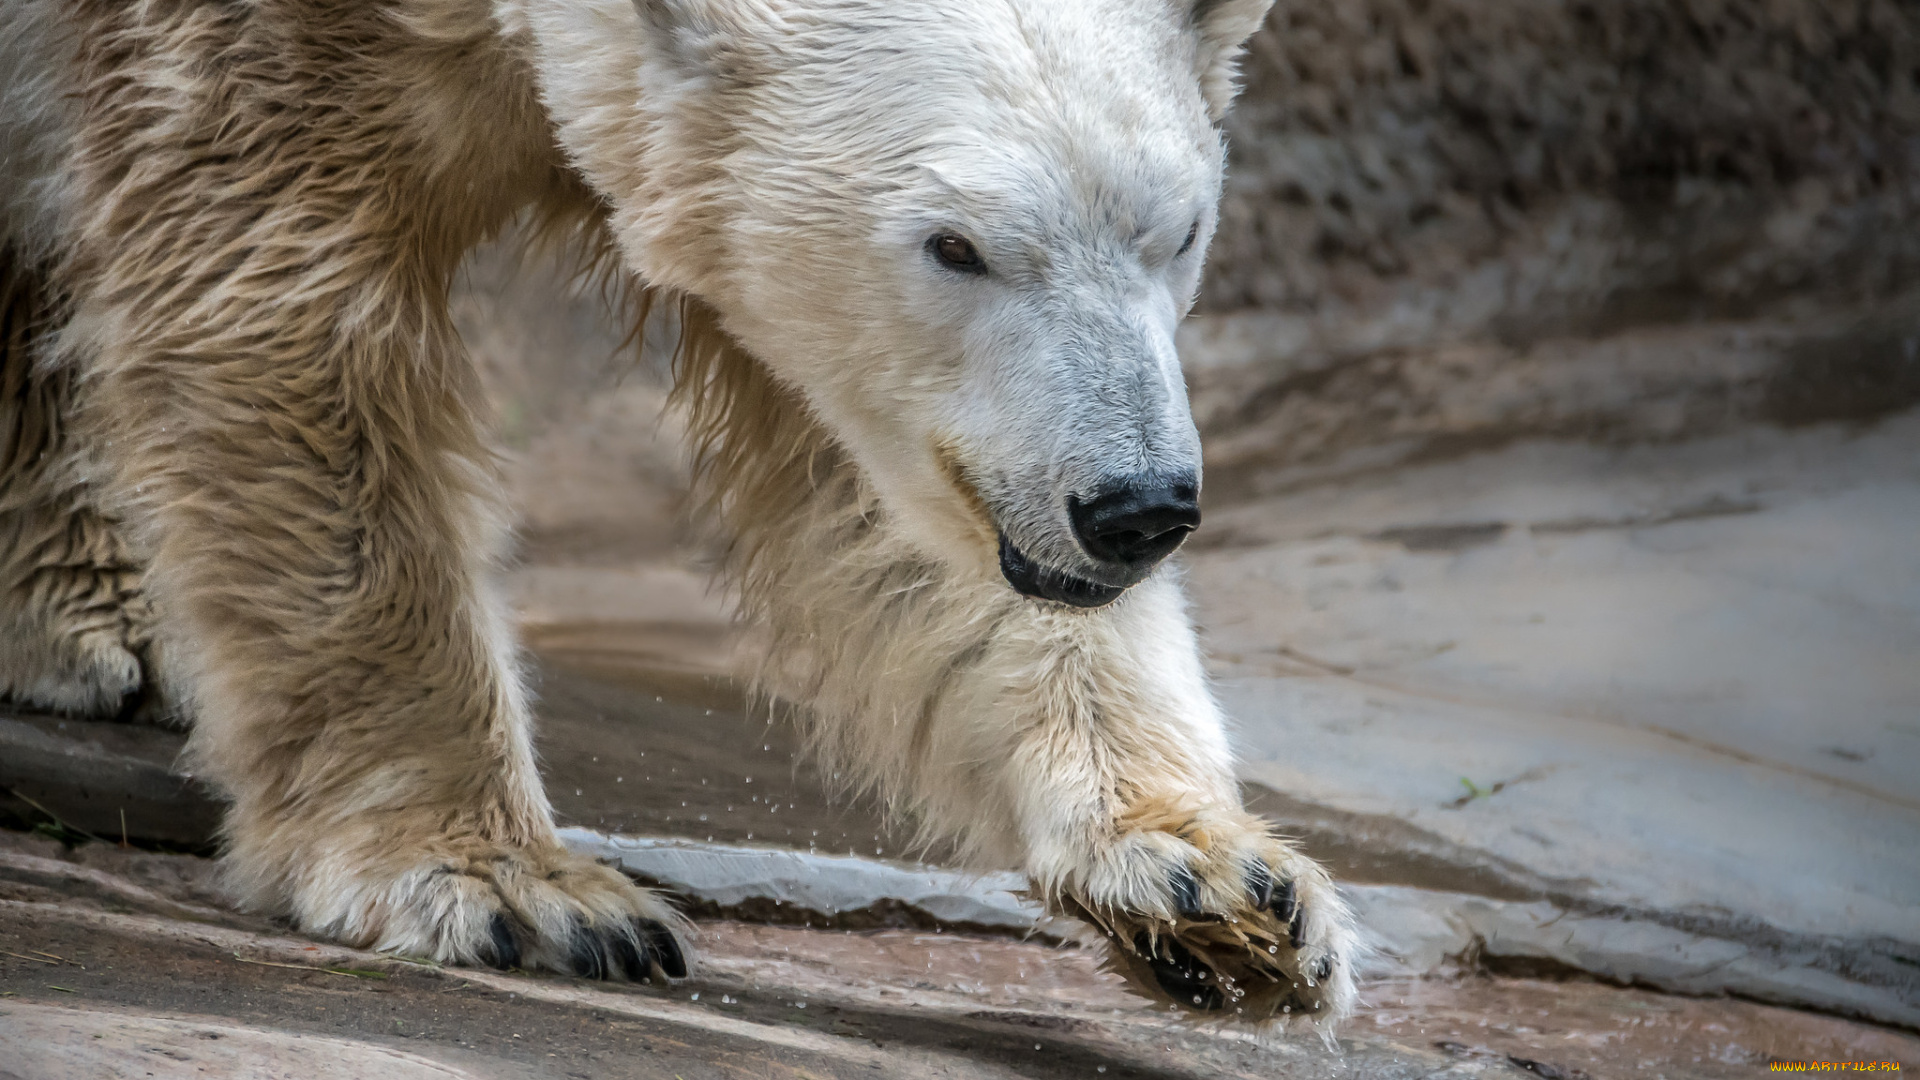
<point>1071,142</point>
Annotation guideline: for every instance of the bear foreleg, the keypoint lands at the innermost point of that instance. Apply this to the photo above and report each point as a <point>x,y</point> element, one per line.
<point>1129,816</point>
<point>1082,746</point>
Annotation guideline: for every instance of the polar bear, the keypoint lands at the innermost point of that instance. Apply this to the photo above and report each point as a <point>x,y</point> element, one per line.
<point>927,260</point>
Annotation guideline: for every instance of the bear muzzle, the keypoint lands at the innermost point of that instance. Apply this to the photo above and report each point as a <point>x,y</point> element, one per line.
<point>1126,530</point>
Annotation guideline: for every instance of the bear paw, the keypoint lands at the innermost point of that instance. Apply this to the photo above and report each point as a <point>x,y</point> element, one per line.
<point>1214,914</point>
<point>91,674</point>
<point>503,907</point>
<point>97,660</point>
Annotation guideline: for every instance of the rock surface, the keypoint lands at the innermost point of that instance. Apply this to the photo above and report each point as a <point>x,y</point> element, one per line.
<point>1410,932</point>
<point>836,890</point>
<point>96,941</point>
<point>117,1044</point>
<point>1671,684</point>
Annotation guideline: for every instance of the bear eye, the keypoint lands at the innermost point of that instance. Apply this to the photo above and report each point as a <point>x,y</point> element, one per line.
<point>956,252</point>
<point>1193,233</point>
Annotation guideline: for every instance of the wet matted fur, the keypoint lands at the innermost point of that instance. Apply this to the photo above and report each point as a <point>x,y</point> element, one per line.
<point>230,272</point>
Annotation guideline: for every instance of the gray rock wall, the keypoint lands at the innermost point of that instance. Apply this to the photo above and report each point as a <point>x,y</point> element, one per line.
<point>1553,166</point>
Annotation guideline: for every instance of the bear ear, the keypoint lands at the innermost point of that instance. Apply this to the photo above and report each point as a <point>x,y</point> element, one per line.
<point>1221,28</point>
<point>705,38</point>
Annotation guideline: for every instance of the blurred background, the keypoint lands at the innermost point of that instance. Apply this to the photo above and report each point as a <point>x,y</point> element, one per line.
<point>1558,367</point>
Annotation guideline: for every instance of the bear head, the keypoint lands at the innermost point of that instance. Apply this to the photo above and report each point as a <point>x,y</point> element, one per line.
<point>962,231</point>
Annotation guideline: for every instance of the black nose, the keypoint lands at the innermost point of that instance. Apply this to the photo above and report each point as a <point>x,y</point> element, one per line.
<point>1136,524</point>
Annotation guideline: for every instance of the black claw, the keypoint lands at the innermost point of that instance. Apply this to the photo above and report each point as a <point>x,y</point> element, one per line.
<point>1186,894</point>
<point>1296,927</point>
<point>1260,885</point>
<point>1181,974</point>
<point>662,947</point>
<point>629,957</point>
<point>1323,969</point>
<point>1283,903</point>
<point>505,953</point>
<point>585,957</point>
<point>604,953</point>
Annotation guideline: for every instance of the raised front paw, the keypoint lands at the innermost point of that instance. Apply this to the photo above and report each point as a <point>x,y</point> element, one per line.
<point>500,906</point>
<point>1209,910</point>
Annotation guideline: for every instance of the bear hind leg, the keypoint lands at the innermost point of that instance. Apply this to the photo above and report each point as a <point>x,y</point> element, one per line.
<point>76,632</point>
